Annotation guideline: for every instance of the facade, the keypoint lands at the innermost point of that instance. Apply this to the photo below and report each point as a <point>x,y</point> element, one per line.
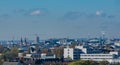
<point>117,43</point>
<point>37,39</point>
<point>87,53</point>
<point>45,56</point>
<point>12,63</point>
<point>87,50</point>
<point>72,53</point>
<point>98,57</point>
<point>40,56</point>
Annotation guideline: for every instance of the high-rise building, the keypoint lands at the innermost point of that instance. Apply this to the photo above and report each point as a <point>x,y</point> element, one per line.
<point>37,39</point>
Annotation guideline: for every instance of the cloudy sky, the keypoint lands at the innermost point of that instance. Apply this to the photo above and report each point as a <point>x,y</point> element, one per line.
<point>59,18</point>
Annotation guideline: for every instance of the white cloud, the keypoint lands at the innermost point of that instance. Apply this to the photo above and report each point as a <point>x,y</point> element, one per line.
<point>99,13</point>
<point>36,12</point>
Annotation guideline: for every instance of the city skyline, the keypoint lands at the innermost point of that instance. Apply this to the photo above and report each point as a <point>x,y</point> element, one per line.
<point>59,18</point>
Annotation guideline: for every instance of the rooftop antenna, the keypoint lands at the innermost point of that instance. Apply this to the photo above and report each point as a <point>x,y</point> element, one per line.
<point>13,38</point>
<point>88,36</point>
<point>66,42</point>
<point>103,34</point>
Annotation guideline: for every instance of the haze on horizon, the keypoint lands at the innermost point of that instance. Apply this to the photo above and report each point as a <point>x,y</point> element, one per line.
<point>59,18</point>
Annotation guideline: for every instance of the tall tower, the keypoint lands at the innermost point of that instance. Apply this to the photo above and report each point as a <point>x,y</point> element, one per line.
<point>37,39</point>
<point>103,37</point>
<point>25,41</point>
<point>21,41</point>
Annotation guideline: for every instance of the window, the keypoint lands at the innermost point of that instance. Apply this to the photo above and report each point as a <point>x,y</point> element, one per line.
<point>68,52</point>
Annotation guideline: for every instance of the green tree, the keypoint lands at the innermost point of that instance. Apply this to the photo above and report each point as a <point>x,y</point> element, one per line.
<point>103,63</point>
<point>10,55</point>
<point>1,62</point>
<point>82,62</point>
<point>58,51</point>
<point>1,48</point>
<point>14,51</point>
<point>4,53</point>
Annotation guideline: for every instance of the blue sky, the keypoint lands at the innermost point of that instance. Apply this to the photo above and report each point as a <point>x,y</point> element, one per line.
<point>59,18</point>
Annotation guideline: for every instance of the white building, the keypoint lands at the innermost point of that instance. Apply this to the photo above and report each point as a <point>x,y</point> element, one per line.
<point>97,57</point>
<point>45,56</point>
<point>110,57</point>
<point>87,50</point>
<point>72,53</point>
<point>87,53</point>
<point>33,56</point>
<point>117,43</point>
<point>84,50</point>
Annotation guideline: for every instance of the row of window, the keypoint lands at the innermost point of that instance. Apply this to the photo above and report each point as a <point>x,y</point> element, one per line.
<point>96,55</point>
<point>96,58</point>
